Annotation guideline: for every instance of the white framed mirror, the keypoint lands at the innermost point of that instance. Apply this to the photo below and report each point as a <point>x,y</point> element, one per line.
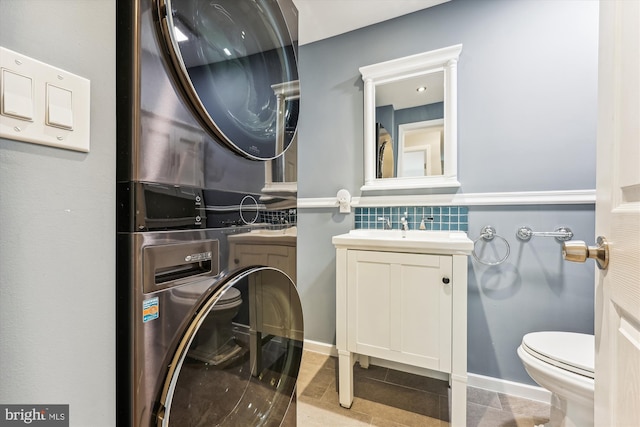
<point>410,115</point>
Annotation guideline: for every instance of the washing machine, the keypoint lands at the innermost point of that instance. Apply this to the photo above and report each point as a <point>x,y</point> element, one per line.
<point>209,321</point>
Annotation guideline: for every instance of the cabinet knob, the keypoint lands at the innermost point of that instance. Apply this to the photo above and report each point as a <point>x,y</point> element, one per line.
<point>445,280</point>
<point>236,260</point>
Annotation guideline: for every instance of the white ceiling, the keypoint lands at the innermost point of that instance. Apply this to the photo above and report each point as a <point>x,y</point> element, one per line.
<point>403,93</point>
<point>321,19</point>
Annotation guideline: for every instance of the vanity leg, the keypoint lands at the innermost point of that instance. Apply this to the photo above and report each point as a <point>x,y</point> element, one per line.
<point>363,361</point>
<point>458,400</point>
<point>346,360</point>
<point>255,352</point>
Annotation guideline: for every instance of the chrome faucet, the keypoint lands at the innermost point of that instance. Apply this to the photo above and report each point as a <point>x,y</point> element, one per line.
<point>404,222</point>
<point>387,223</point>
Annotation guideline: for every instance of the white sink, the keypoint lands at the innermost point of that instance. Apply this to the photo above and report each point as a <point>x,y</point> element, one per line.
<point>418,241</point>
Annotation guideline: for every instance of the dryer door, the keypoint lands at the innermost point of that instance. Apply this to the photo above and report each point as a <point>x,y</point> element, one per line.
<point>238,360</point>
<point>235,61</point>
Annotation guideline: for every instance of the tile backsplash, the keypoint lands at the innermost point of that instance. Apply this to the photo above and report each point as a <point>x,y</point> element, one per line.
<point>283,217</point>
<point>434,217</point>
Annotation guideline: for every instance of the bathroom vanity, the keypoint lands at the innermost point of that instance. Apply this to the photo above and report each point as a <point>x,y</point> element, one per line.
<point>402,296</point>
<point>267,292</point>
<point>275,248</point>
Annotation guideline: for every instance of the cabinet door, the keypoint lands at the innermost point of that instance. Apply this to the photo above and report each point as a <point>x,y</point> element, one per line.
<point>399,308</point>
<point>269,309</point>
<point>276,256</point>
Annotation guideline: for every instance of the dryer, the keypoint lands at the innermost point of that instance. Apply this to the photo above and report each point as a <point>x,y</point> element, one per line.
<point>208,331</point>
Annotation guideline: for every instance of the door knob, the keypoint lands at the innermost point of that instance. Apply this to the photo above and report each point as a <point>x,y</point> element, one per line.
<point>578,251</point>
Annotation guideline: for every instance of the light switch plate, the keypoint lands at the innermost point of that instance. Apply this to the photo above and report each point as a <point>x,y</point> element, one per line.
<point>60,103</point>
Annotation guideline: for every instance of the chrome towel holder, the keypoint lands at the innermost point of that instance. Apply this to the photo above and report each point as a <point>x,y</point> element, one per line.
<point>488,233</point>
<point>562,234</point>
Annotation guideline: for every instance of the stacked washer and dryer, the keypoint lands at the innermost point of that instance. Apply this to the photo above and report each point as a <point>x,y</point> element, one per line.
<point>209,321</point>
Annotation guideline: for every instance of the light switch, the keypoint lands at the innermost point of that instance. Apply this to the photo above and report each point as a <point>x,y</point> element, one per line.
<point>59,107</point>
<point>17,95</point>
<point>43,104</point>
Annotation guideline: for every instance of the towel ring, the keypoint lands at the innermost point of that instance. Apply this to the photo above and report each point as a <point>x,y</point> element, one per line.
<point>487,233</point>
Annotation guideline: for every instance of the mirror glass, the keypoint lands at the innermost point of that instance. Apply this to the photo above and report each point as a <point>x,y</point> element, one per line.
<point>411,111</point>
<point>410,121</point>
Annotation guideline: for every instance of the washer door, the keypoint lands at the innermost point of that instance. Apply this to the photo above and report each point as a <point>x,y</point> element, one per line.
<point>238,360</point>
<point>236,63</point>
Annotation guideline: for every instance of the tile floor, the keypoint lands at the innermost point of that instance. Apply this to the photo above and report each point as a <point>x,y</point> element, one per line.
<point>390,398</point>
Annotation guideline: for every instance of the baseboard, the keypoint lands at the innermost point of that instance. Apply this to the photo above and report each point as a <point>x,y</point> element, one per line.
<point>320,347</point>
<point>512,388</point>
<point>497,385</point>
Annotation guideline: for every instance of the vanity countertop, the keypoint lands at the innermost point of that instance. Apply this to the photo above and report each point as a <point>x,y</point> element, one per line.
<point>414,241</point>
<point>286,236</point>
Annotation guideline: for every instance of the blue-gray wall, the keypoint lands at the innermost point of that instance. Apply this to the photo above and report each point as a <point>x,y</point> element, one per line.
<point>57,226</point>
<point>527,122</point>
<point>527,119</point>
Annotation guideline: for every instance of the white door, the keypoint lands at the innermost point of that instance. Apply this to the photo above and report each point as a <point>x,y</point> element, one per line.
<point>617,329</point>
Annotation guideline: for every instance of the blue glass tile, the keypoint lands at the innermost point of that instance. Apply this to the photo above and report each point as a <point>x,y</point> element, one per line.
<point>435,217</point>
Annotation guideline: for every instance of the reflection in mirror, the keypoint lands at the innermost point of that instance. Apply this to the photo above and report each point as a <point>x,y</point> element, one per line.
<point>385,165</point>
<point>229,57</point>
<point>409,108</point>
<point>281,172</point>
<point>414,100</point>
<point>421,145</point>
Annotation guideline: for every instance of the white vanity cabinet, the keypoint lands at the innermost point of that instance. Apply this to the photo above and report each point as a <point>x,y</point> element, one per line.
<point>403,299</point>
<point>398,308</point>
<point>275,248</point>
<point>267,292</point>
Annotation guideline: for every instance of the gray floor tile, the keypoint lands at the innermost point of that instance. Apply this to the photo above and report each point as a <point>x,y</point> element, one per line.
<point>390,398</point>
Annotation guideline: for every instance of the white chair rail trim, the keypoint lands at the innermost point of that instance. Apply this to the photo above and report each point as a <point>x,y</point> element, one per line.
<point>563,197</point>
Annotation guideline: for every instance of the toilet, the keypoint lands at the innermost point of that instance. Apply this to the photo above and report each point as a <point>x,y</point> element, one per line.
<point>215,342</point>
<point>563,363</point>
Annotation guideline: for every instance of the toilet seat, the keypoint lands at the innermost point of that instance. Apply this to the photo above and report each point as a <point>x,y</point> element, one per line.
<point>570,351</point>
